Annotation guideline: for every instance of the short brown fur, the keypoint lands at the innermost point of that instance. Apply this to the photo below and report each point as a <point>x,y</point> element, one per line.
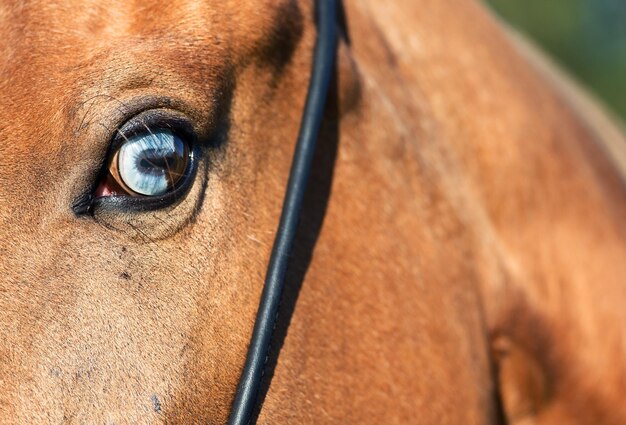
<point>461,258</point>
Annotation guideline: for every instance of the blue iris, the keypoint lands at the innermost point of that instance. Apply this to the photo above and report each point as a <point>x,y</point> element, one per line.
<point>151,163</point>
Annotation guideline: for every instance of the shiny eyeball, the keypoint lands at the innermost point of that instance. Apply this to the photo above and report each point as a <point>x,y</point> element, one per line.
<point>149,163</point>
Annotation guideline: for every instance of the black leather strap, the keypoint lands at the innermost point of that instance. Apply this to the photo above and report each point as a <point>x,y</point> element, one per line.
<point>323,61</point>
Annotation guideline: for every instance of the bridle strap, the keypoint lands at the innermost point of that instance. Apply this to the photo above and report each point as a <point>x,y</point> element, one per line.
<point>323,66</point>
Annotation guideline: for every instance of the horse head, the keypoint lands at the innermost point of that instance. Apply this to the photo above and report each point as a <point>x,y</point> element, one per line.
<point>460,256</point>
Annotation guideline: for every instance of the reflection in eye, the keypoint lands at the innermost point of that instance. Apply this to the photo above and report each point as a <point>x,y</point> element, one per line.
<point>151,164</point>
<point>147,164</point>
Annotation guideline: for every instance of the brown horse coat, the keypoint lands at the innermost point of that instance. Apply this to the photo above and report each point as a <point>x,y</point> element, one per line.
<point>461,258</point>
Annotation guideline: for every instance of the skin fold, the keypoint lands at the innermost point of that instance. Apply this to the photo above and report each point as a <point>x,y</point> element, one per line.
<point>460,259</point>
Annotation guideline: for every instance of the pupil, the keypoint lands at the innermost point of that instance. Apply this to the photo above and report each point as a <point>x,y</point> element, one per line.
<point>152,164</point>
<point>167,162</point>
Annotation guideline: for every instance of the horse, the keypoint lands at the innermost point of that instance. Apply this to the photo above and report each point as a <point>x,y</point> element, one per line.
<point>460,256</point>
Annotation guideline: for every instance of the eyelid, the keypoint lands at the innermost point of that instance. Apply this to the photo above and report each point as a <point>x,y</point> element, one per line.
<point>150,121</point>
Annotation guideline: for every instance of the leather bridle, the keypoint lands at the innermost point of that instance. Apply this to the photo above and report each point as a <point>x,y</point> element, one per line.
<point>258,351</point>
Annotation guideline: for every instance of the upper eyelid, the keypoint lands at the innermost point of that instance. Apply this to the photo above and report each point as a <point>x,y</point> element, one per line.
<point>151,120</point>
<point>112,111</point>
<point>95,122</point>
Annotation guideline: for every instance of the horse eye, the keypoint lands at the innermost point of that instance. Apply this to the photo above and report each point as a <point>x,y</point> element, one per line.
<point>147,164</point>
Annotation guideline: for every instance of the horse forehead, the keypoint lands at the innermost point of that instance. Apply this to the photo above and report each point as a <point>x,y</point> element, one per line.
<point>39,38</point>
<point>65,26</point>
<point>93,15</point>
<point>53,52</point>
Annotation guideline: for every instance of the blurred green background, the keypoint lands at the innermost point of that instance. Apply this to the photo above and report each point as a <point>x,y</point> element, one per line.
<point>588,37</point>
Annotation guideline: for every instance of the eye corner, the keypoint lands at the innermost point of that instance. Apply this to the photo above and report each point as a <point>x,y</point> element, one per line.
<point>83,205</point>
